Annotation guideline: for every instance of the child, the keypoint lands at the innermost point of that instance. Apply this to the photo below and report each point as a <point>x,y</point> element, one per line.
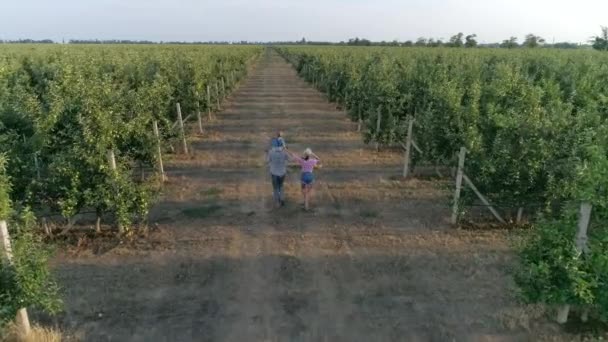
<point>308,162</point>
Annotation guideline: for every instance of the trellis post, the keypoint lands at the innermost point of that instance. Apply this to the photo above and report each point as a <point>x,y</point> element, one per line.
<point>346,101</point>
<point>181,128</point>
<point>223,88</point>
<point>112,161</point>
<point>378,124</point>
<point>520,215</point>
<point>408,148</point>
<point>360,120</point>
<point>459,174</point>
<point>161,168</point>
<point>200,121</point>
<point>581,247</point>
<point>217,96</point>
<point>209,102</point>
<point>22,320</point>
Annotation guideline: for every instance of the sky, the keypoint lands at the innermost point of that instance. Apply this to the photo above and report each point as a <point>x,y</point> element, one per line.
<point>288,20</point>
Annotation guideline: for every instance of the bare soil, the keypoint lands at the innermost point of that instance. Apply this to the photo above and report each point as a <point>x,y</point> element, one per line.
<point>375,261</point>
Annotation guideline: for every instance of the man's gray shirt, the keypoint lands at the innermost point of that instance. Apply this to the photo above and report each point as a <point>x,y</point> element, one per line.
<point>277,160</point>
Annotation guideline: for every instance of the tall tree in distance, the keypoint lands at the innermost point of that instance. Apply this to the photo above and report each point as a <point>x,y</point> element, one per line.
<point>456,40</point>
<point>435,43</point>
<point>359,42</point>
<point>421,42</point>
<point>470,41</point>
<point>601,42</point>
<point>533,41</point>
<point>510,43</point>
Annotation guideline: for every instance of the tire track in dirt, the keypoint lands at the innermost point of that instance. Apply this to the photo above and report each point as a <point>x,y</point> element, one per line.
<point>252,305</point>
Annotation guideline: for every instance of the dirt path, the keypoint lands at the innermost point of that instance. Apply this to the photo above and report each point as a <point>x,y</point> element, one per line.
<point>375,261</point>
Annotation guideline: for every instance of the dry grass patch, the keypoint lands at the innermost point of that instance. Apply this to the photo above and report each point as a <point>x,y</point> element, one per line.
<point>38,334</point>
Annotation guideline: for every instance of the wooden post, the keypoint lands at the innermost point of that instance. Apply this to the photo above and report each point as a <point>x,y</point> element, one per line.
<point>520,214</point>
<point>408,147</point>
<point>562,314</point>
<point>581,247</point>
<point>37,166</point>
<point>583,225</point>
<point>112,160</point>
<point>200,122</point>
<point>181,128</point>
<point>217,96</point>
<point>161,168</point>
<point>333,90</point>
<point>142,171</point>
<point>22,320</point>
<point>223,88</point>
<point>346,101</point>
<point>360,121</point>
<point>209,103</point>
<point>585,315</point>
<point>378,123</point>
<point>461,157</point>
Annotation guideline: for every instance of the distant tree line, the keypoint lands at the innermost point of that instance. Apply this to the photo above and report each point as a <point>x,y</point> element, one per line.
<point>458,40</point>
<point>27,41</point>
<point>126,41</point>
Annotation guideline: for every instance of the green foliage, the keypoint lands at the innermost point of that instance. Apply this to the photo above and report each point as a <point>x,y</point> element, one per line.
<point>535,124</point>
<point>533,41</point>
<point>510,43</point>
<point>553,272</point>
<point>511,109</point>
<point>420,41</point>
<point>470,42</point>
<point>601,42</point>
<point>27,281</point>
<point>5,189</point>
<point>62,108</point>
<point>456,40</point>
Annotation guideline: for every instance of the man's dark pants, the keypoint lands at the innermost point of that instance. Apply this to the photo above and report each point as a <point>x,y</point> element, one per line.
<point>277,187</point>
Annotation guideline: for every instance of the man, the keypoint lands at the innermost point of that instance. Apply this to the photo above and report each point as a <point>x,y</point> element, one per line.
<point>278,140</point>
<point>277,160</point>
